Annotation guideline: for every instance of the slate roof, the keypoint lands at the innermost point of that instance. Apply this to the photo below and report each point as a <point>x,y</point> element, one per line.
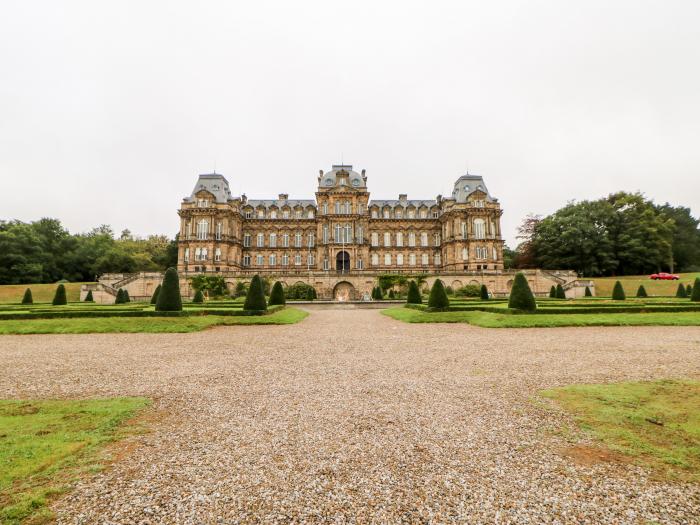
<point>267,203</point>
<point>468,184</point>
<point>214,183</point>
<point>409,202</point>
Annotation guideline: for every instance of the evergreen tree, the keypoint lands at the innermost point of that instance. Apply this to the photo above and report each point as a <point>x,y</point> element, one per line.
<point>255,299</point>
<point>588,292</point>
<point>380,293</point>
<point>681,291</point>
<point>27,299</point>
<point>154,297</point>
<point>521,297</point>
<point>198,297</point>
<point>438,297</point>
<point>618,292</point>
<point>119,299</point>
<point>277,294</point>
<point>553,292</point>
<point>314,292</point>
<point>689,290</point>
<point>60,297</point>
<point>310,293</point>
<point>89,298</point>
<point>391,294</point>
<point>641,291</point>
<point>413,296</point>
<point>127,299</point>
<point>169,298</point>
<point>695,295</point>
<point>484,293</point>
<point>561,294</point>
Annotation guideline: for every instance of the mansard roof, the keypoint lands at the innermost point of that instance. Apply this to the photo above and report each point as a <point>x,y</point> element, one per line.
<point>468,184</point>
<point>279,203</point>
<point>214,183</point>
<point>405,203</point>
<point>329,178</point>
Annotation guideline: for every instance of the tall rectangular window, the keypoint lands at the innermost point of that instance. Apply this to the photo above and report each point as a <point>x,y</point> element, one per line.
<point>399,259</point>
<point>360,235</point>
<point>202,230</point>
<point>436,239</point>
<point>387,239</point>
<point>273,259</point>
<point>259,260</point>
<point>285,240</point>
<point>285,260</point>
<point>424,239</point>
<point>375,259</point>
<point>325,264</point>
<point>424,259</point>
<point>246,260</point>
<point>399,239</point>
<point>411,239</point>
<point>219,229</point>
<point>360,264</point>
<point>387,259</point>
<point>273,240</point>
<point>310,260</point>
<point>375,239</point>
<point>312,239</point>
<point>246,240</point>
<point>297,240</point>
<point>217,254</point>
<point>261,240</point>
<point>412,259</point>
<point>297,259</point>
<point>325,234</point>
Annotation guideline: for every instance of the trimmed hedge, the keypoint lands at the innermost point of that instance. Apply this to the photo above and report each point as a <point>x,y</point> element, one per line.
<point>553,292</point>
<point>255,298</point>
<point>277,294</point>
<point>89,298</point>
<point>198,297</point>
<point>60,297</point>
<point>618,293</point>
<point>521,297</point>
<point>27,299</point>
<point>681,291</point>
<point>169,298</point>
<point>119,299</point>
<point>154,297</point>
<point>641,291</point>
<point>484,293</point>
<point>588,292</point>
<point>561,294</point>
<point>695,295</point>
<point>438,297</point>
<point>413,296</point>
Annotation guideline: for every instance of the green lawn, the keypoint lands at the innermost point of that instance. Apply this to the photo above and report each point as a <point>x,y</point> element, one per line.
<point>630,283</point>
<point>144,324</point>
<point>494,320</point>
<point>41,293</point>
<point>656,423</point>
<point>46,444</point>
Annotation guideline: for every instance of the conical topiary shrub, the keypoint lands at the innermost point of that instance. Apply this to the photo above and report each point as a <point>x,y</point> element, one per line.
<point>553,292</point>
<point>695,295</point>
<point>198,297</point>
<point>169,298</point>
<point>641,291</point>
<point>89,298</point>
<point>438,297</point>
<point>688,290</point>
<point>277,294</point>
<point>561,294</point>
<point>521,297</point>
<point>681,292</point>
<point>314,293</point>
<point>391,294</point>
<point>60,297</point>
<point>588,292</point>
<point>154,297</point>
<point>119,299</point>
<point>484,293</point>
<point>618,292</point>
<point>127,299</point>
<point>413,296</point>
<point>255,299</point>
<point>27,298</point>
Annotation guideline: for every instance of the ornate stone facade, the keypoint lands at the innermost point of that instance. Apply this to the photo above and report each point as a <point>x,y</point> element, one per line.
<point>342,231</point>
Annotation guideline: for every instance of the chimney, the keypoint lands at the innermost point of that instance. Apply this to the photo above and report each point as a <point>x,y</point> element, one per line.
<point>403,197</point>
<point>283,196</point>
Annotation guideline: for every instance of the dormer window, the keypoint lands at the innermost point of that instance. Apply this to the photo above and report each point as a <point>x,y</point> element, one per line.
<point>285,214</point>
<point>261,214</point>
<point>273,214</point>
<point>249,214</point>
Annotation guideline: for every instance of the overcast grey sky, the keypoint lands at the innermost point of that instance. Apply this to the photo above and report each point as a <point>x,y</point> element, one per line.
<point>108,111</point>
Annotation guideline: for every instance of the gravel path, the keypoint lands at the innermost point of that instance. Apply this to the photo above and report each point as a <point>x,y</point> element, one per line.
<point>352,417</point>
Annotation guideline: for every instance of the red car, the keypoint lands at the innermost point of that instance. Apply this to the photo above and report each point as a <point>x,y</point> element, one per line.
<point>664,276</point>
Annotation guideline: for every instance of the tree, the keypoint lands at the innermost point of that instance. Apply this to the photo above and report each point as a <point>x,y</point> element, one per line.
<point>438,297</point>
<point>310,293</point>
<point>413,296</point>
<point>213,285</point>
<point>695,296</point>
<point>618,293</point>
<point>154,297</point>
<point>277,294</point>
<point>681,291</point>
<point>391,293</point>
<point>255,300</point>
<point>689,290</point>
<point>60,297</point>
<point>641,291</point>
<point>27,299</point>
<point>119,299</point>
<point>127,299</point>
<point>561,294</point>
<point>198,297</point>
<point>169,298</point>
<point>521,297</point>
<point>588,292</point>
<point>240,290</point>
<point>553,292</point>
<point>484,293</point>
<point>685,242</point>
<point>88,297</point>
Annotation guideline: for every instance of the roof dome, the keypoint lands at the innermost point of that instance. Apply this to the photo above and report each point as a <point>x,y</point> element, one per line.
<point>338,173</point>
<point>468,184</point>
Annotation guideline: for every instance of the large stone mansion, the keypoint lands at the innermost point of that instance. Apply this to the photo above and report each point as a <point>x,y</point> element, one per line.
<point>342,230</point>
<point>342,241</point>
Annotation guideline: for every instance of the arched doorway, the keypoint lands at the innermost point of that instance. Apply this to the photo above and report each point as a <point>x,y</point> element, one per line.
<point>344,291</point>
<point>342,262</point>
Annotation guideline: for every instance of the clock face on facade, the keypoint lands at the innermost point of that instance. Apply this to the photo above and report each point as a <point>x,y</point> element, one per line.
<point>329,182</point>
<point>355,182</point>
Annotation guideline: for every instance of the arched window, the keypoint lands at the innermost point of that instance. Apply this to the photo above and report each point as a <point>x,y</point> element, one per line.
<point>438,259</point>
<point>375,239</point>
<point>411,238</point>
<point>285,240</point>
<point>399,239</point>
<point>375,259</point>
<point>399,259</point>
<point>412,259</point>
<point>424,259</point>
<point>424,239</point>
<point>387,239</point>
<point>387,259</point>
<point>297,239</point>
<point>273,241</point>
<point>261,240</point>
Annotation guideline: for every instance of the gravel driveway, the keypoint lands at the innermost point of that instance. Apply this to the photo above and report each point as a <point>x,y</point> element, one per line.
<point>352,417</point>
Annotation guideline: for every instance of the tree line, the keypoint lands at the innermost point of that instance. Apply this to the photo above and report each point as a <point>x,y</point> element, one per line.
<point>44,251</point>
<point>621,234</point>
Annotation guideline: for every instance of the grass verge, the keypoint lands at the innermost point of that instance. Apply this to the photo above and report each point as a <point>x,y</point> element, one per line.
<point>495,320</point>
<point>47,444</point>
<point>143,324</point>
<point>42,293</point>
<point>656,423</point>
